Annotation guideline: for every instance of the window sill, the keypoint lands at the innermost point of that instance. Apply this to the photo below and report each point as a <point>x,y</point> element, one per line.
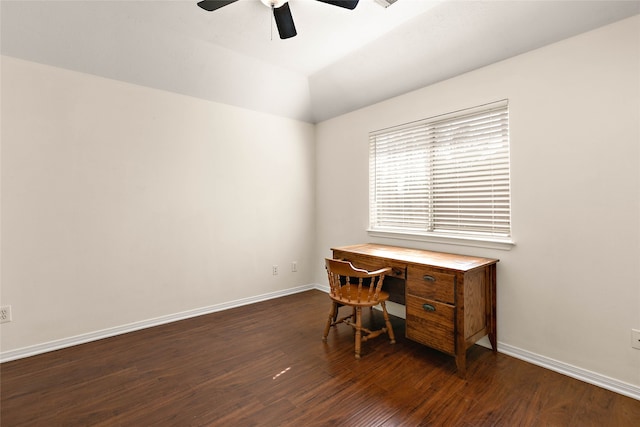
<point>501,244</point>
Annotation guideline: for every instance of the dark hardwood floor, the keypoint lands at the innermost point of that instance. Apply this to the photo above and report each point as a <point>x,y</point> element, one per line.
<point>266,365</point>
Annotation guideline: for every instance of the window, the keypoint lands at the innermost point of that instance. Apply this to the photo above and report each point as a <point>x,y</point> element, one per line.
<point>447,176</point>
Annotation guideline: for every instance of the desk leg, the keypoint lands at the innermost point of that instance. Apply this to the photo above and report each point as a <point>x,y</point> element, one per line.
<point>491,309</point>
<point>461,364</point>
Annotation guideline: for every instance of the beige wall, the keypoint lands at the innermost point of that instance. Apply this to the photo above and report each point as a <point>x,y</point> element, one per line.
<point>122,204</point>
<point>569,291</point>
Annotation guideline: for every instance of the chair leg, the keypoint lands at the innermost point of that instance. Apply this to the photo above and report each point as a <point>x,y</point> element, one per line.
<point>335,315</point>
<point>330,320</point>
<point>392,337</point>
<point>358,313</point>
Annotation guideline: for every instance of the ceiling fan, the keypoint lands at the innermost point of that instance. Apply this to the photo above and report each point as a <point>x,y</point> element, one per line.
<point>281,11</point>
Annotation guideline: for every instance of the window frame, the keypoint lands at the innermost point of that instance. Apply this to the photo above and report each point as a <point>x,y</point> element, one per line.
<point>431,142</point>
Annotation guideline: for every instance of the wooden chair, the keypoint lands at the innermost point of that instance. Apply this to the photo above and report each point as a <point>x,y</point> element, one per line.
<point>356,288</point>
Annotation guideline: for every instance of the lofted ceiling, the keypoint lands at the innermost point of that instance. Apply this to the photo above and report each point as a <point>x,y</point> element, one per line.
<point>340,60</point>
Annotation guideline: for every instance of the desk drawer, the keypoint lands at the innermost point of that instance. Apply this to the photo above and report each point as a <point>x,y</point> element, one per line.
<point>430,283</point>
<point>368,263</point>
<point>431,323</point>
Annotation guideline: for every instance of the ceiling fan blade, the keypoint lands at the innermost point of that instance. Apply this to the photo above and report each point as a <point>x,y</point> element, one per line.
<point>284,21</point>
<point>347,4</point>
<point>211,5</point>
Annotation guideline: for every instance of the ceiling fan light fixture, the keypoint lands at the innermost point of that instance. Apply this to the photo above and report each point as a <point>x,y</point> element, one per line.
<point>273,3</point>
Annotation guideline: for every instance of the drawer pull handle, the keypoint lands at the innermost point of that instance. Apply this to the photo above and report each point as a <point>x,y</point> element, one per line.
<point>428,307</point>
<point>428,278</point>
<point>397,271</point>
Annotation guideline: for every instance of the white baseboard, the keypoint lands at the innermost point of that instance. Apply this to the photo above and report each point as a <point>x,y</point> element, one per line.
<point>626,389</point>
<point>33,350</point>
<point>599,380</point>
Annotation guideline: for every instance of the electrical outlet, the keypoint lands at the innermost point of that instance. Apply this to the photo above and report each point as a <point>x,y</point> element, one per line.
<point>294,266</point>
<point>635,338</point>
<point>5,314</point>
<point>275,270</point>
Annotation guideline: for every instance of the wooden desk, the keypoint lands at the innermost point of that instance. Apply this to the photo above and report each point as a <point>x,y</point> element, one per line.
<point>450,300</point>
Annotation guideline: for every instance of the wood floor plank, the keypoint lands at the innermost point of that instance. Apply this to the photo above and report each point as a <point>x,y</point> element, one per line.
<point>266,365</point>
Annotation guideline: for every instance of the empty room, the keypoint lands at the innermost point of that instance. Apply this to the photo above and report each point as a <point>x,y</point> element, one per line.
<point>319,212</point>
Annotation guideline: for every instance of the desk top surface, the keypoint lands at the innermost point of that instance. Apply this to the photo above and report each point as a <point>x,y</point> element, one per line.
<point>419,256</point>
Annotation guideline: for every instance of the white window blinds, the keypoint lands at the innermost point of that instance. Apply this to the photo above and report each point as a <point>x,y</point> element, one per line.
<point>448,175</point>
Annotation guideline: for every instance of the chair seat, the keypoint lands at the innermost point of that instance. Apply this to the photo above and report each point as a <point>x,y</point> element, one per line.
<point>351,298</point>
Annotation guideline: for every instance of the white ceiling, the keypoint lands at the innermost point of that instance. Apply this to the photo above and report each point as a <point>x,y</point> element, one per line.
<point>340,60</point>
